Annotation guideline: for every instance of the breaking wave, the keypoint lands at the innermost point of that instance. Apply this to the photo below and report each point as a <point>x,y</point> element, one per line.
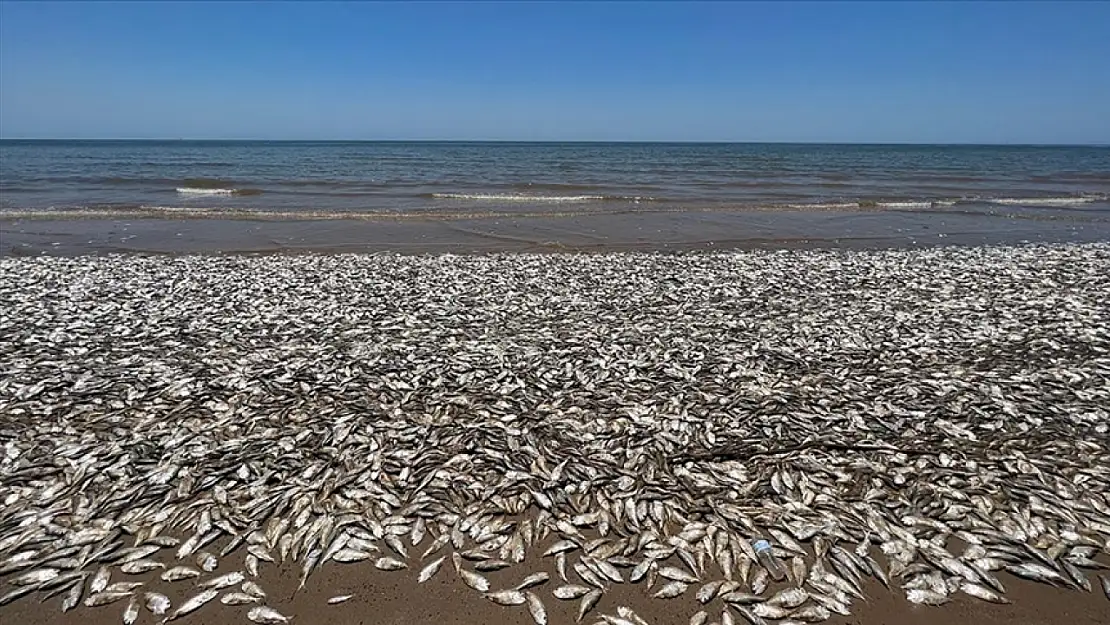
<point>523,197</point>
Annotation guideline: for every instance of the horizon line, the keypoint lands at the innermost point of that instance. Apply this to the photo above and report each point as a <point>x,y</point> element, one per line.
<point>584,141</point>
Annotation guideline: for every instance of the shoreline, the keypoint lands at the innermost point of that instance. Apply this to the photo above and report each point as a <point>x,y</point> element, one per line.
<point>637,231</point>
<point>933,417</point>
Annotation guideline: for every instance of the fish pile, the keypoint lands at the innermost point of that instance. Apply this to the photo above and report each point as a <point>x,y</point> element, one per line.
<point>923,419</point>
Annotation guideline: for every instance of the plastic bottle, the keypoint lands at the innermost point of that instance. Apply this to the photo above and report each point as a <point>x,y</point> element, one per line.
<point>767,558</point>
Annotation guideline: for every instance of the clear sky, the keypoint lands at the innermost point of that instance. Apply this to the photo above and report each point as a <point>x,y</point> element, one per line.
<point>993,72</point>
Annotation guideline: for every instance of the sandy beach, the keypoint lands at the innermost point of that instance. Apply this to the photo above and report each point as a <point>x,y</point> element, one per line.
<point>685,230</point>
<point>905,426</point>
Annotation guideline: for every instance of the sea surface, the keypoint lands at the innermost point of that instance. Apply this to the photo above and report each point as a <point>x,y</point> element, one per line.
<point>229,178</point>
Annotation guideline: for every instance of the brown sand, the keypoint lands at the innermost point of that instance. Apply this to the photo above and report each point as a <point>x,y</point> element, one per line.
<point>395,598</point>
<point>691,230</point>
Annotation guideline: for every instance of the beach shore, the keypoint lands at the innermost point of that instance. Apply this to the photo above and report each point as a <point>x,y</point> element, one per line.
<point>941,412</point>
<point>686,230</point>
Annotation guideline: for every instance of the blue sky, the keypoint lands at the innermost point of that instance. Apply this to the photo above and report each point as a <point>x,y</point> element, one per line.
<point>994,72</point>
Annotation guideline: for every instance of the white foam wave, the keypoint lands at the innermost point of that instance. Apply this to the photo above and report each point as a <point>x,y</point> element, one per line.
<point>195,191</point>
<point>518,197</point>
<point>906,204</point>
<point>825,206</point>
<point>1043,201</point>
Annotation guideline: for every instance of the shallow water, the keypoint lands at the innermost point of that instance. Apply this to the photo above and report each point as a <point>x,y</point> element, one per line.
<point>340,178</point>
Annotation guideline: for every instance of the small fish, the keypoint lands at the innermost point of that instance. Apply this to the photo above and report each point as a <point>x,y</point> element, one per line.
<point>671,590</point>
<point>535,579</point>
<point>193,603</point>
<point>389,564</point>
<point>123,586</point>
<point>179,573</point>
<point>507,597</point>
<point>811,614</point>
<point>767,610</point>
<point>348,555</point>
<point>224,581</point>
<point>131,612</point>
<point>157,603</point>
<point>568,592</point>
<point>104,598</point>
<point>238,598</point>
<point>339,599</point>
<point>100,580</point>
<point>475,581</point>
<point>708,591</point>
<point>588,602</point>
<point>700,618</point>
<point>36,577</point>
<point>740,598</point>
<point>207,562</point>
<point>927,597</point>
<point>266,615</point>
<point>430,570</point>
<point>1105,585</point>
<point>789,598</point>
<point>536,609</point>
<point>253,589</point>
<point>1035,572</point>
<point>676,574</point>
<point>72,597</point>
<point>982,592</point>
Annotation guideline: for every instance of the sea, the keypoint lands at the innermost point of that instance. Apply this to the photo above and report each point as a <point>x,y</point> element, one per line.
<point>335,178</point>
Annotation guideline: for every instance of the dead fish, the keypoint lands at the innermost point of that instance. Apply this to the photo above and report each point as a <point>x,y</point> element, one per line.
<point>699,618</point>
<point>1036,572</point>
<point>253,589</point>
<point>131,612</point>
<point>588,602</point>
<point>157,603</point>
<point>347,555</point>
<point>36,577</point>
<point>475,581</point>
<point>925,596</point>
<point>100,580</point>
<point>507,597</point>
<point>678,575</point>
<point>811,614</point>
<point>266,615</point>
<point>238,598</point>
<point>339,599</point>
<point>671,590</point>
<point>72,596</point>
<point>982,592</point>
<point>179,573</point>
<point>123,586</point>
<point>207,561</point>
<point>429,571</point>
<point>708,591</point>
<point>193,603</point>
<point>789,598</point>
<point>535,579</point>
<point>569,592</point>
<point>105,598</point>
<point>536,608</point>
<point>389,564</point>
<point>740,598</point>
<point>11,596</point>
<point>224,581</point>
<point>1105,585</point>
<point>768,610</point>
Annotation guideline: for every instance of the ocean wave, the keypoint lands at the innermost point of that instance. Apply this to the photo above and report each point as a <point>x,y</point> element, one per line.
<point>523,197</point>
<point>217,191</point>
<point>1045,201</point>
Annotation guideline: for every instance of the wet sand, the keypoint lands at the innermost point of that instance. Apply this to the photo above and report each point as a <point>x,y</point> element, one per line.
<point>396,599</point>
<point>686,230</point>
